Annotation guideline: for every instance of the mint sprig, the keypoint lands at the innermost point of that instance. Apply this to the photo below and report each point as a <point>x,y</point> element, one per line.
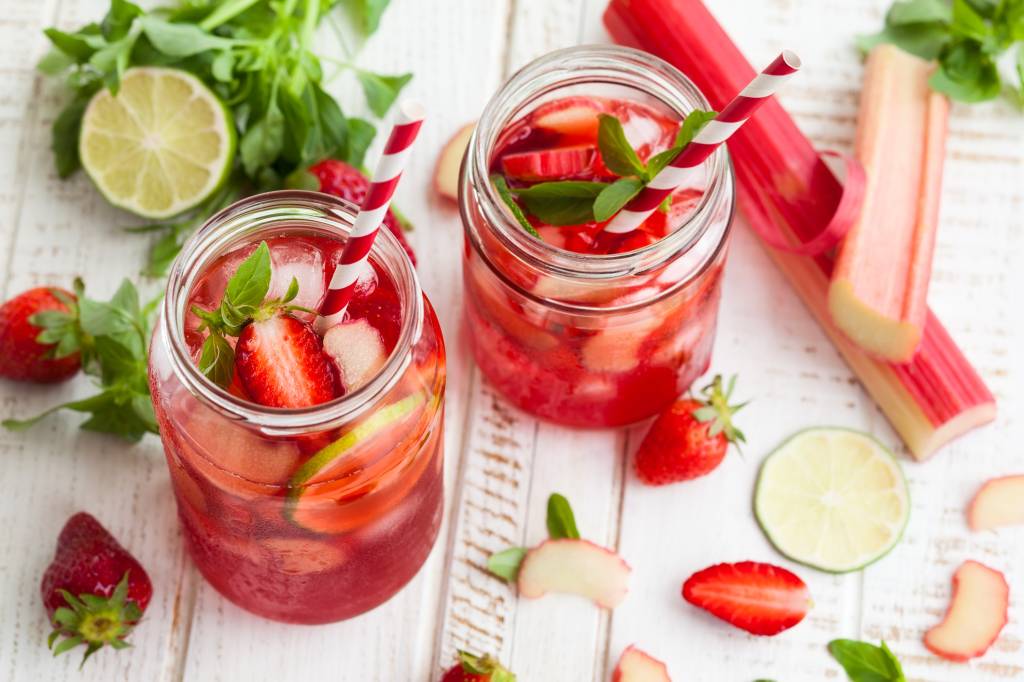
<point>561,523</point>
<point>245,299</point>
<point>965,37</point>
<point>572,202</point>
<point>864,662</point>
<point>112,338</point>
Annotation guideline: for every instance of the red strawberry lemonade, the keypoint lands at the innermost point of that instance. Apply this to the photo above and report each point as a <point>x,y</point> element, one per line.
<point>571,321</point>
<point>306,468</point>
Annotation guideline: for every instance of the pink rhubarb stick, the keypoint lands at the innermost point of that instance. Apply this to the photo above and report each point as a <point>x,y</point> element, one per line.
<point>784,188</point>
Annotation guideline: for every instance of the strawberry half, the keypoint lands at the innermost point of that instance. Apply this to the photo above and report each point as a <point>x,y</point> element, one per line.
<point>759,598</point>
<point>94,591</point>
<point>690,438</point>
<point>472,668</point>
<point>342,180</point>
<point>37,336</point>
<point>561,163</point>
<point>281,363</point>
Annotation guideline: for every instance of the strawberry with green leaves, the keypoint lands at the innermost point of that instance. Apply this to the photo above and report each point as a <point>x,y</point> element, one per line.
<point>38,338</point>
<point>277,357</point>
<point>94,591</point>
<point>472,668</point>
<point>690,438</point>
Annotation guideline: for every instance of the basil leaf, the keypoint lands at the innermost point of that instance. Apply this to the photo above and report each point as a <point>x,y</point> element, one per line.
<point>217,360</point>
<point>562,203</point>
<point>967,74</point>
<point>263,141</point>
<point>616,151</point>
<point>561,521</point>
<point>180,40</point>
<point>689,128</point>
<point>360,136</point>
<point>65,131</point>
<point>71,44</point>
<point>923,40</point>
<point>968,23</point>
<point>864,662</point>
<point>381,91</point>
<point>906,12</point>
<point>506,195</point>
<point>616,195</point>
<point>119,19</point>
<point>505,564</point>
<point>251,282</point>
<point>367,14</point>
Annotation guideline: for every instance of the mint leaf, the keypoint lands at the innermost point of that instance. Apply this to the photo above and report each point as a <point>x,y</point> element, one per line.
<point>689,128</point>
<point>967,73</point>
<point>561,521</point>
<point>217,360</point>
<point>864,662</point>
<point>616,151</point>
<point>367,13</point>
<point>919,12</point>
<point>251,282</point>
<point>506,195</point>
<point>968,23</point>
<point>381,91</point>
<point>616,195</point>
<point>923,40</point>
<point>505,564</point>
<point>562,203</point>
<point>181,40</point>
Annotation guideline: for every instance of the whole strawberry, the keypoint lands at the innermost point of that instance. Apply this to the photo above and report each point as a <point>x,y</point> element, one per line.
<point>37,341</point>
<point>94,590</point>
<point>348,183</point>
<point>690,438</point>
<point>472,668</point>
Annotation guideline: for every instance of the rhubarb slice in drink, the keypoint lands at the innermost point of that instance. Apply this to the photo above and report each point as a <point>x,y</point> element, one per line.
<point>785,190</point>
<point>878,295</point>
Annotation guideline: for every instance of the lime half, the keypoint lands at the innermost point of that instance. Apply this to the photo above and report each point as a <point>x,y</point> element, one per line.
<point>161,146</point>
<point>833,499</point>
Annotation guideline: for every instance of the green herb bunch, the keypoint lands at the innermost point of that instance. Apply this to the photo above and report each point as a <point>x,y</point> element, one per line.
<point>966,37</point>
<point>257,55</point>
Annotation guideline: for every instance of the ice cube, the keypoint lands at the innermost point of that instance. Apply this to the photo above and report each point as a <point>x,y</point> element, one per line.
<point>293,257</point>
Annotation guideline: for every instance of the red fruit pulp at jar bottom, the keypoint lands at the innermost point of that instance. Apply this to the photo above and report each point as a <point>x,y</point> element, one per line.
<point>559,141</point>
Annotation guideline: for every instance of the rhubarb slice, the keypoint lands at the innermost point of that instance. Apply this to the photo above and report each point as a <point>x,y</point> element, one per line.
<point>638,666</point>
<point>977,613</point>
<point>449,163</point>
<point>998,503</point>
<point>549,164</point>
<point>879,290</point>
<point>784,187</point>
<point>572,566</point>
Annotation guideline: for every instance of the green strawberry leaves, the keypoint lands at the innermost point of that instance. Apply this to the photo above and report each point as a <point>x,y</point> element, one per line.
<point>113,339</point>
<point>864,662</point>
<point>93,621</point>
<point>719,412</point>
<point>487,666</point>
<point>572,202</point>
<point>561,524</point>
<point>966,37</point>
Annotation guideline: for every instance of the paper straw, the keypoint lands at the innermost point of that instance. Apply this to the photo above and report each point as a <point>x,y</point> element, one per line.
<point>371,214</point>
<point>681,170</point>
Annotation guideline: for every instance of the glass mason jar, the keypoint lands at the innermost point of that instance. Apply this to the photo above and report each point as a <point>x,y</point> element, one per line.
<point>583,339</point>
<point>305,515</point>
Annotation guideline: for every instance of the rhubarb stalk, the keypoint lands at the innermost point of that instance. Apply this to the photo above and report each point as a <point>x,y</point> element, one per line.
<point>784,188</point>
<point>879,290</point>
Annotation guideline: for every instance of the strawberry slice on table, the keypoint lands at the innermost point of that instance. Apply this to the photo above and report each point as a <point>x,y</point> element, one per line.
<point>690,438</point>
<point>560,163</point>
<point>472,668</point>
<point>759,598</point>
<point>94,591</point>
<point>346,182</point>
<point>37,337</point>
<point>281,363</point>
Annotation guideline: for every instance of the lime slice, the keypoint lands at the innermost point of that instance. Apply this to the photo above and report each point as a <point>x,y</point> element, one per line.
<point>833,499</point>
<point>161,146</point>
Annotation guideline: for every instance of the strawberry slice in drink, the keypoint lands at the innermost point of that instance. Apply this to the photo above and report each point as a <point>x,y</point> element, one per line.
<point>281,363</point>
<point>575,119</point>
<point>561,163</point>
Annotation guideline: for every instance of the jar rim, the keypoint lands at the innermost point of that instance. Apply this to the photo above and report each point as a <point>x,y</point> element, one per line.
<point>565,68</point>
<point>228,229</point>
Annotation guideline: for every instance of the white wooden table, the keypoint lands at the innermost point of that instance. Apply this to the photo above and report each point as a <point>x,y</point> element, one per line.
<point>501,464</point>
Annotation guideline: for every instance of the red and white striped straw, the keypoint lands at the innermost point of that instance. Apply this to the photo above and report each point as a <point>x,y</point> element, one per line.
<point>717,131</point>
<point>371,214</point>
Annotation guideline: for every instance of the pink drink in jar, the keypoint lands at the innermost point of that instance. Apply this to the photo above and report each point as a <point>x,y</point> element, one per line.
<point>573,323</point>
<point>318,513</point>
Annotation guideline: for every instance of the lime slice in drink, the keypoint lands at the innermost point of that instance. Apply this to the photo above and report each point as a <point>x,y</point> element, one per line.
<point>159,147</point>
<point>833,499</point>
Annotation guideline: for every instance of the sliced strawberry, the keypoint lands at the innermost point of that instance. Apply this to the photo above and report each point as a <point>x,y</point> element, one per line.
<point>575,118</point>
<point>759,598</point>
<point>281,363</point>
<point>562,163</point>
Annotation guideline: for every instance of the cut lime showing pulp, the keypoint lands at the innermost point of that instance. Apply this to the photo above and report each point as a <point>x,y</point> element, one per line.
<point>160,146</point>
<point>833,499</point>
